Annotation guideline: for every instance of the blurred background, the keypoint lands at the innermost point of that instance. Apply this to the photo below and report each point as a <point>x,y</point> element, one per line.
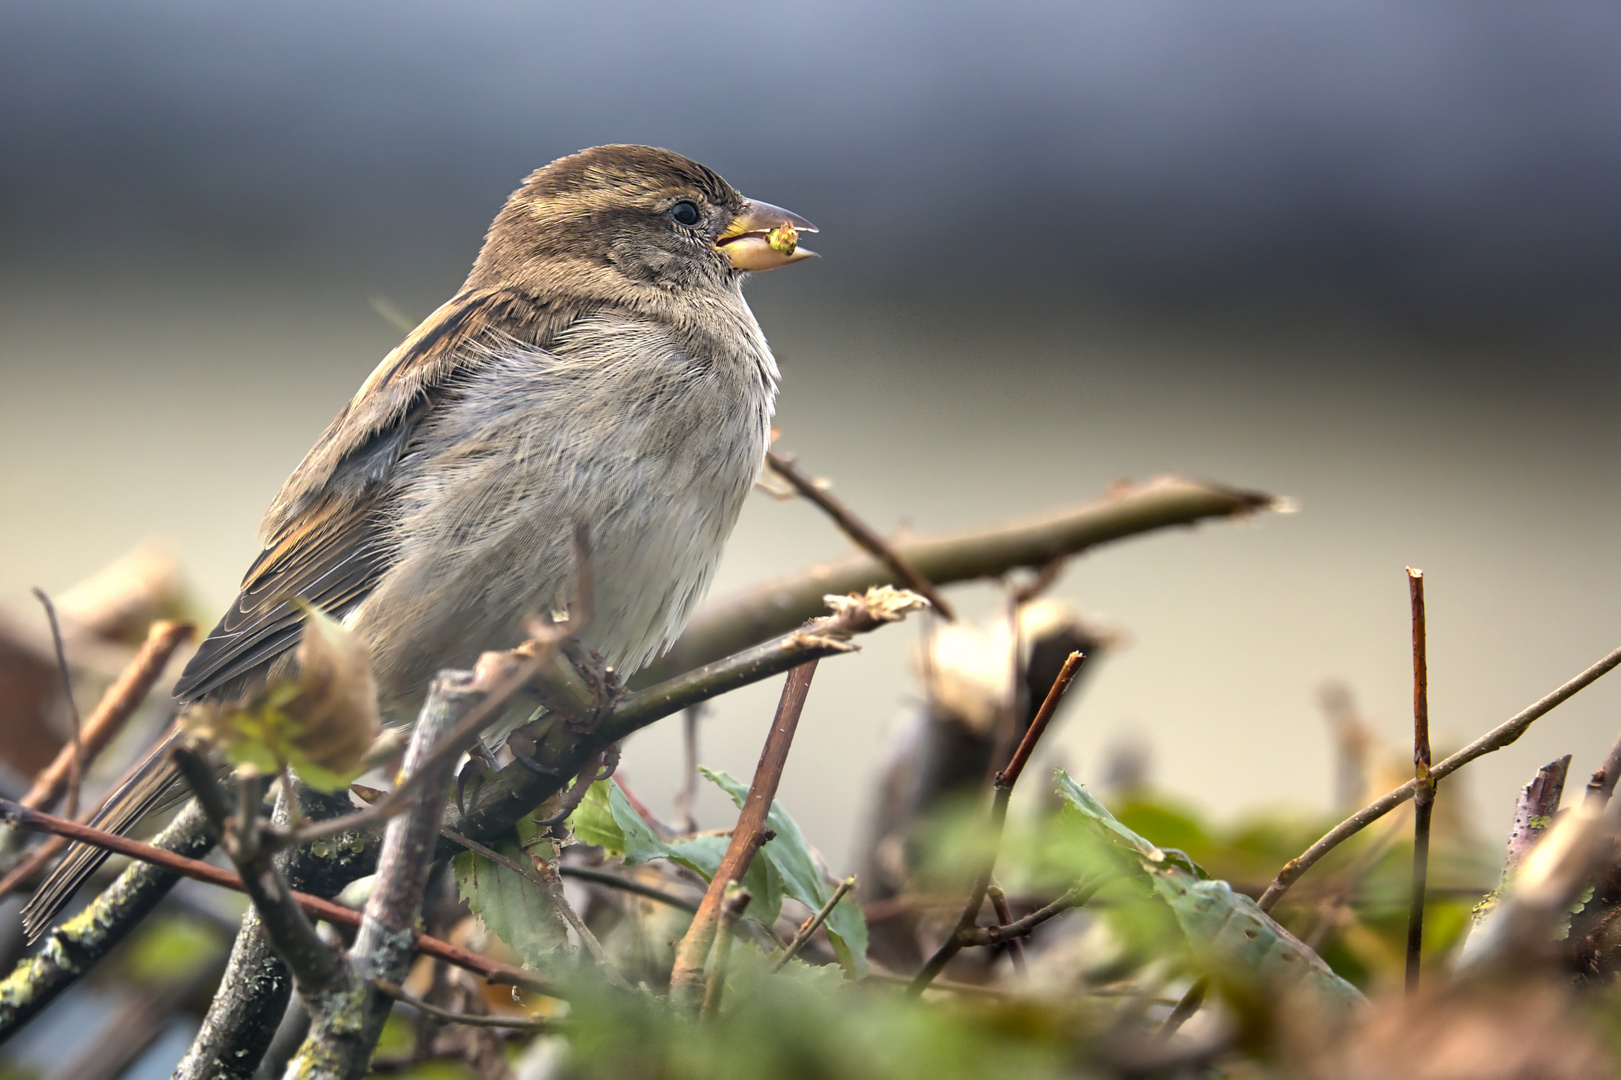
<point>1365,256</point>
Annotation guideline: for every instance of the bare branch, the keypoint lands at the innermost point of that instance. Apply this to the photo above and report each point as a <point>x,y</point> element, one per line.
<point>732,625</point>
<point>808,928</point>
<point>747,835</point>
<point>1502,735</point>
<point>1002,791</point>
<point>859,531</point>
<point>1424,790</point>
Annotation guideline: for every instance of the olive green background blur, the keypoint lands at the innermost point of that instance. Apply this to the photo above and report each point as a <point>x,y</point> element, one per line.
<point>1366,259</point>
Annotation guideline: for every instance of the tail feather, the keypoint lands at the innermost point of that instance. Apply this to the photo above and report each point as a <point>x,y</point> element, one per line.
<point>153,783</point>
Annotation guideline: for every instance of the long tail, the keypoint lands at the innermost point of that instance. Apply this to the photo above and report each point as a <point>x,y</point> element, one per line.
<point>151,784</point>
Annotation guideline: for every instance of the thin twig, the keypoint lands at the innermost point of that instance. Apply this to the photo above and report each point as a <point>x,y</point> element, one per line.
<point>492,970</point>
<point>1497,738</point>
<point>76,763</point>
<point>863,534</point>
<point>747,835</point>
<point>1424,790</point>
<point>807,929</point>
<point>737,898</point>
<point>1185,1008</point>
<point>1012,930</point>
<point>1004,916</point>
<point>1002,791</point>
<point>117,705</point>
<point>614,881</point>
<point>446,1016</point>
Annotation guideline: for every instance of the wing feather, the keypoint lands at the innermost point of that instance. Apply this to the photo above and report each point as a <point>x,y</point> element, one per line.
<point>326,545</point>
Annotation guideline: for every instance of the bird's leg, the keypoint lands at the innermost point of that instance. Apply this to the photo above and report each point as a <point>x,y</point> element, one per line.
<point>600,767</point>
<point>601,680</point>
<point>479,759</point>
<point>522,748</point>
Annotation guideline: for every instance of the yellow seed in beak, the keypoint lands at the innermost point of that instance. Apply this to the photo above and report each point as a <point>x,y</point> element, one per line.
<point>783,239</point>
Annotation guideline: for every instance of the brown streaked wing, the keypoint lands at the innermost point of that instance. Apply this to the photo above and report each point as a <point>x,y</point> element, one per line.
<point>327,547</point>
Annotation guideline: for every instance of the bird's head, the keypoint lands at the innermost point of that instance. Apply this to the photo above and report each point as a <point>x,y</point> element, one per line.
<point>614,216</point>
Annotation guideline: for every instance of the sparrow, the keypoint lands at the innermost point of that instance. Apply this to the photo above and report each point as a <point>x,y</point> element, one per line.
<point>599,375</point>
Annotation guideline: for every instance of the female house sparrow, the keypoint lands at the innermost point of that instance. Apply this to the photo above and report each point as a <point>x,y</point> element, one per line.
<point>598,368</point>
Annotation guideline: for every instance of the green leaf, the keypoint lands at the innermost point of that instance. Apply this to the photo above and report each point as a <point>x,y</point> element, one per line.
<point>510,905</point>
<point>593,821</point>
<point>1228,935</point>
<point>700,854</point>
<point>802,879</point>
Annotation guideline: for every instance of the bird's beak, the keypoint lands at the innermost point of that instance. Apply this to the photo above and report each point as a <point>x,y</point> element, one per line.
<point>764,237</point>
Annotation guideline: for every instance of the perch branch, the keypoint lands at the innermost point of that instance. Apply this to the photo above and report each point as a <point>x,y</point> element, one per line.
<point>72,948</point>
<point>347,1010</point>
<point>175,865</point>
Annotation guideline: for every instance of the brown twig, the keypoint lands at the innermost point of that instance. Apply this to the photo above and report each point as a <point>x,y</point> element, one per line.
<point>1012,930</point>
<point>1602,785</point>
<point>734,624</point>
<point>611,880</point>
<point>446,1016</point>
<point>807,929</point>
<point>863,534</point>
<point>747,835</point>
<point>75,747</point>
<point>1004,916</point>
<point>117,705</point>
<point>1002,791</point>
<point>493,971</point>
<point>1502,735</point>
<point>1424,784</point>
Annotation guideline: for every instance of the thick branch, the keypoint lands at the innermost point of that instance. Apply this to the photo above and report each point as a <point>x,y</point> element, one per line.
<point>72,948</point>
<point>347,1011</point>
<point>255,990</point>
<point>1497,738</point>
<point>560,752</point>
<point>735,624</point>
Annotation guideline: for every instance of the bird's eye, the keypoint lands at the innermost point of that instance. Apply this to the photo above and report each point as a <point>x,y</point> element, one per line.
<point>685,212</point>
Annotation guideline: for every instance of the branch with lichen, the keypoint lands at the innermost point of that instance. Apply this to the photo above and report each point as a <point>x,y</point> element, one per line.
<point>73,948</point>
<point>348,1009</point>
